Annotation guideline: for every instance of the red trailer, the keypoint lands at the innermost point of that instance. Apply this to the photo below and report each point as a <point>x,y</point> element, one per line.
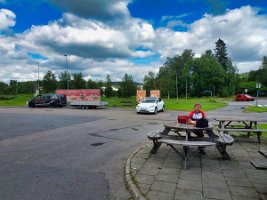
<point>83,98</point>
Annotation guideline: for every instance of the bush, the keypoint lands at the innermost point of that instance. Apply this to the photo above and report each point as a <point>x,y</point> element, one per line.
<point>7,97</point>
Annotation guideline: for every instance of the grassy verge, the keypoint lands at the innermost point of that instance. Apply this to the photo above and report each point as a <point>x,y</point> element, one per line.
<point>255,109</point>
<point>263,127</point>
<point>187,105</point>
<point>14,100</point>
<point>171,104</point>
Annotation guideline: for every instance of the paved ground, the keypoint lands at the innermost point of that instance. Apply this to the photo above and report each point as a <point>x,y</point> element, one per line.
<point>68,154</point>
<point>161,176</point>
<point>74,154</point>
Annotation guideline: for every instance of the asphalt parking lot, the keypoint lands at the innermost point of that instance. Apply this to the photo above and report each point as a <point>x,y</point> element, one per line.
<point>68,153</point>
<point>74,154</point>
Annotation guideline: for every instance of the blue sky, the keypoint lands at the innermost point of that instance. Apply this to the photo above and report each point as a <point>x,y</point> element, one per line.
<point>122,36</point>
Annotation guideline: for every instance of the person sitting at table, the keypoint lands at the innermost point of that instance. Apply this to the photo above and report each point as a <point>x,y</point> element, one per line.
<point>197,117</point>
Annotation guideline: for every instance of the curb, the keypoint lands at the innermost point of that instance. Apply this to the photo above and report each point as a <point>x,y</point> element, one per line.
<point>133,189</point>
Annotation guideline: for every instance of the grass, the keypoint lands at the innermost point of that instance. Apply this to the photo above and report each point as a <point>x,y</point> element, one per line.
<point>255,109</point>
<point>14,100</point>
<point>171,104</point>
<point>187,105</point>
<point>263,127</point>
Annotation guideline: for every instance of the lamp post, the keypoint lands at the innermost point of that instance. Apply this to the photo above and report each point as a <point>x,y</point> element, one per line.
<point>67,65</point>
<point>177,94</point>
<point>38,83</point>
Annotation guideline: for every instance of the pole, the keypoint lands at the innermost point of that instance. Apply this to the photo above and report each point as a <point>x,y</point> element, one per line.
<point>186,88</point>
<point>177,88</point>
<point>68,85</point>
<point>38,84</point>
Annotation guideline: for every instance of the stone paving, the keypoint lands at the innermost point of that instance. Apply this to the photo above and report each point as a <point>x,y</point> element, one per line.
<point>161,175</point>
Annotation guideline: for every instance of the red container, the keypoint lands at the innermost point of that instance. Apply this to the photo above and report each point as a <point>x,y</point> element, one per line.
<point>183,119</point>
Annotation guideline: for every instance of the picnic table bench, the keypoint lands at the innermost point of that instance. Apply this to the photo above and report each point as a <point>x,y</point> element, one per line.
<point>259,164</point>
<point>248,125</point>
<point>162,136</point>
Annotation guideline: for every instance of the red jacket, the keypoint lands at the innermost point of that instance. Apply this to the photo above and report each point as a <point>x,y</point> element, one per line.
<point>195,116</point>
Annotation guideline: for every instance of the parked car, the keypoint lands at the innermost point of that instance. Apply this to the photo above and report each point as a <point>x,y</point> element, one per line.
<point>48,100</point>
<point>150,105</point>
<point>244,97</point>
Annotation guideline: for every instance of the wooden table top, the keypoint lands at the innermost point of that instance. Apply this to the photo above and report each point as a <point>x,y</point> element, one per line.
<point>237,119</point>
<point>184,127</point>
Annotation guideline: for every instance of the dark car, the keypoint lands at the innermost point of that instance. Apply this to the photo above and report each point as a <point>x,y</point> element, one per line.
<point>244,97</point>
<point>48,100</point>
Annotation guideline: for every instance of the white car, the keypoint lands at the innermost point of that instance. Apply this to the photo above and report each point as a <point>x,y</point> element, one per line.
<point>150,105</point>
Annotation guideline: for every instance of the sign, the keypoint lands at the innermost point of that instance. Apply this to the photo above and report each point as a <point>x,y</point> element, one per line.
<point>140,95</point>
<point>155,93</point>
<point>258,85</point>
<point>90,95</point>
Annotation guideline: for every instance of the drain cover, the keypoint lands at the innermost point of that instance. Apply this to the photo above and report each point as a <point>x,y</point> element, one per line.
<point>98,144</point>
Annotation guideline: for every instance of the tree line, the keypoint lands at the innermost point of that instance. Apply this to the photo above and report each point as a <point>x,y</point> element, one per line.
<point>186,75</point>
<point>126,88</point>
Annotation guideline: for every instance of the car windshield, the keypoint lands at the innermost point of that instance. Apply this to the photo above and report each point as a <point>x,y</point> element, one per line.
<point>149,100</point>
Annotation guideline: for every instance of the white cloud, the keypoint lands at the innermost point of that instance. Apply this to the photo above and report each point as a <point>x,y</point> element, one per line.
<point>7,19</point>
<point>98,47</point>
<point>243,30</point>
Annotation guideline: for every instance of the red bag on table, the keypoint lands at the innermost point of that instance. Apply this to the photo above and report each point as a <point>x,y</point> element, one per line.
<point>183,119</point>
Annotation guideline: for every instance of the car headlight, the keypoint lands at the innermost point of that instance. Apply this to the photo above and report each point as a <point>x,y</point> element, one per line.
<point>152,106</point>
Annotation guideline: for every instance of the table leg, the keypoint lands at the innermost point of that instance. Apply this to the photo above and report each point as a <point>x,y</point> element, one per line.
<point>186,149</point>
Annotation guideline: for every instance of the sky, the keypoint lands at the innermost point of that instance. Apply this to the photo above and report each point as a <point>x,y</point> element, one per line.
<point>115,37</point>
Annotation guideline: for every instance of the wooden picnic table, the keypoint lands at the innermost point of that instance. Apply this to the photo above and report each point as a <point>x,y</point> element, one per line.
<point>183,137</point>
<point>239,124</point>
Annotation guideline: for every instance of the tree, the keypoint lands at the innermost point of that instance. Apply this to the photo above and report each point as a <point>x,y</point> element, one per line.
<point>207,74</point>
<point>150,81</point>
<point>27,87</point>
<point>13,86</point>
<point>108,85</point>
<point>264,62</point>
<point>4,88</point>
<point>221,53</point>
<point>78,82</point>
<point>91,84</point>
<point>64,77</point>
<point>127,86</point>
<point>49,82</point>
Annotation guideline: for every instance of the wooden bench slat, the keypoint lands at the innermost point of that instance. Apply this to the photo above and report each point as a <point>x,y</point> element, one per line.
<point>259,164</point>
<point>263,152</point>
<point>225,138</point>
<point>186,143</point>
<point>242,130</point>
<point>154,134</point>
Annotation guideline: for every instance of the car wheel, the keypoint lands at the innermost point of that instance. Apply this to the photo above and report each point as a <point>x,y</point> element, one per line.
<point>156,111</point>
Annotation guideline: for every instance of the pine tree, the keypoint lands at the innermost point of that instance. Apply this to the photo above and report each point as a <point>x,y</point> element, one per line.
<point>49,82</point>
<point>108,90</point>
<point>221,53</point>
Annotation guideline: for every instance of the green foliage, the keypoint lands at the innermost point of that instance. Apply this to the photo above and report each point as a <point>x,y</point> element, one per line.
<point>16,100</point>
<point>255,109</point>
<point>213,72</point>
<point>49,82</point>
<point>78,82</point>
<point>108,90</point>
<point>7,97</point>
<point>221,53</point>
<point>188,105</point>
<point>91,84</point>
<point>127,86</point>
<point>64,77</point>
<point>150,81</point>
